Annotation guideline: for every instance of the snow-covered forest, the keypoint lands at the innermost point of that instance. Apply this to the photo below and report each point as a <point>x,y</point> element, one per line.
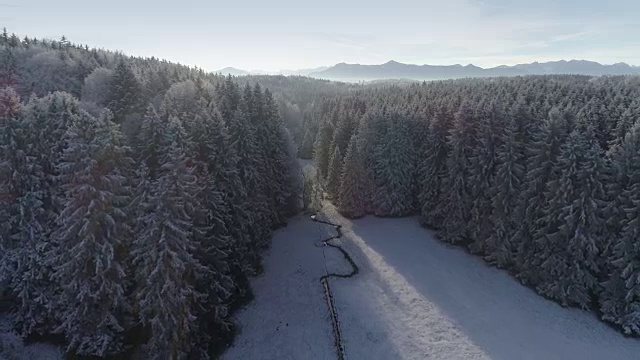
<point>538,175</point>
<point>137,195</point>
<point>135,198</point>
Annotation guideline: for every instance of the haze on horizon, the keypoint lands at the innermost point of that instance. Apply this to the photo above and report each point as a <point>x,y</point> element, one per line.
<point>284,34</point>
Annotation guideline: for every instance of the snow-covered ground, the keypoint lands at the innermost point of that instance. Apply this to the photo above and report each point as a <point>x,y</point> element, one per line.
<point>414,298</point>
<point>12,347</point>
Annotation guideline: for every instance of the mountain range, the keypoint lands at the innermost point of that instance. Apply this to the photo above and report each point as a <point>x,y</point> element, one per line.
<point>397,70</point>
<point>239,72</point>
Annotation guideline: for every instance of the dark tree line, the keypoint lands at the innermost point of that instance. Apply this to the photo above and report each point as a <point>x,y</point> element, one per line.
<point>539,175</point>
<point>131,219</point>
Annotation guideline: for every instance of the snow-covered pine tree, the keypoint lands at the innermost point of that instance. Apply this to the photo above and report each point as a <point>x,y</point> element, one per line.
<point>39,200</point>
<point>22,219</point>
<point>88,259</point>
<point>456,185</point>
<point>150,141</point>
<point>124,92</point>
<point>544,151</point>
<point>344,129</point>
<point>371,131</point>
<point>394,168</point>
<point>571,227</point>
<point>306,148</point>
<point>505,194</point>
<point>434,169</point>
<point>620,297</point>
<point>335,171</point>
<point>351,202</point>
<point>321,147</point>
<point>278,161</point>
<point>484,161</point>
<point>165,258</point>
<point>242,140</point>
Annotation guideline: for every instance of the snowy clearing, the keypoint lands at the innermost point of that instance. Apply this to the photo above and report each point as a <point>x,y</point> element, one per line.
<point>414,298</point>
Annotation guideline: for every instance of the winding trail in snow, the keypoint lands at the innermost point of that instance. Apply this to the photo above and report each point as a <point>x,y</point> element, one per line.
<point>324,280</point>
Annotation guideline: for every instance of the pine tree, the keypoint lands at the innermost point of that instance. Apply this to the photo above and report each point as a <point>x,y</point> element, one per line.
<point>484,161</point>
<point>541,170</point>
<point>8,68</point>
<point>433,170</point>
<point>572,224</point>
<point>38,203</point>
<point>164,255</point>
<point>456,186</point>
<point>620,298</point>
<point>306,148</point>
<point>124,92</point>
<point>23,220</point>
<point>351,202</point>
<point>150,141</point>
<point>243,143</point>
<point>335,171</point>
<point>321,148</point>
<point>88,260</point>
<point>505,195</point>
<point>394,170</point>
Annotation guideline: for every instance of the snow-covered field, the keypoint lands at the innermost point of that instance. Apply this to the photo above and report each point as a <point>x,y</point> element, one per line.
<point>414,298</point>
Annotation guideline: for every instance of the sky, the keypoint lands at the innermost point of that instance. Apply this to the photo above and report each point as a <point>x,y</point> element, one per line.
<point>284,34</point>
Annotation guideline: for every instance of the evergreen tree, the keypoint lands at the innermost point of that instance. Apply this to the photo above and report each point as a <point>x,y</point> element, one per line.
<point>164,256</point>
<point>335,171</point>
<point>394,170</point>
<point>433,170</point>
<point>456,186</point>
<point>321,148</point>
<point>505,196</point>
<point>306,148</point>
<point>124,92</point>
<point>88,259</point>
<point>620,299</point>
<point>484,161</point>
<point>151,140</point>
<point>541,170</point>
<point>351,202</point>
<point>571,227</point>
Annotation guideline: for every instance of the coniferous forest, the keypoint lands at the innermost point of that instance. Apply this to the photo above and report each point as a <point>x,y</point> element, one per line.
<point>135,200</point>
<point>137,195</point>
<point>538,175</point>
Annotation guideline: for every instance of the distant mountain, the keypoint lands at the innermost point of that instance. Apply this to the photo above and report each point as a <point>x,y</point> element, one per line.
<point>303,72</point>
<point>396,70</point>
<point>233,71</point>
<point>239,72</point>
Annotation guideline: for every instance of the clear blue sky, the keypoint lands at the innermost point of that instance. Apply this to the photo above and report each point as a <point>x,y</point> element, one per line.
<point>283,34</point>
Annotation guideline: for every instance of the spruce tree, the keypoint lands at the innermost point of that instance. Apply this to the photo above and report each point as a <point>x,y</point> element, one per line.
<point>88,260</point>
<point>456,186</point>
<point>321,148</point>
<point>620,299</point>
<point>571,227</point>
<point>484,161</point>
<point>433,170</point>
<point>393,170</point>
<point>505,194</point>
<point>541,171</point>
<point>165,258</point>
<point>306,148</point>
<point>335,171</point>
<point>124,92</point>
<point>351,202</point>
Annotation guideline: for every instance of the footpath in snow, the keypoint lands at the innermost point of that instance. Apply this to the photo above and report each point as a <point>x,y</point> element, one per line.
<point>414,298</point>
